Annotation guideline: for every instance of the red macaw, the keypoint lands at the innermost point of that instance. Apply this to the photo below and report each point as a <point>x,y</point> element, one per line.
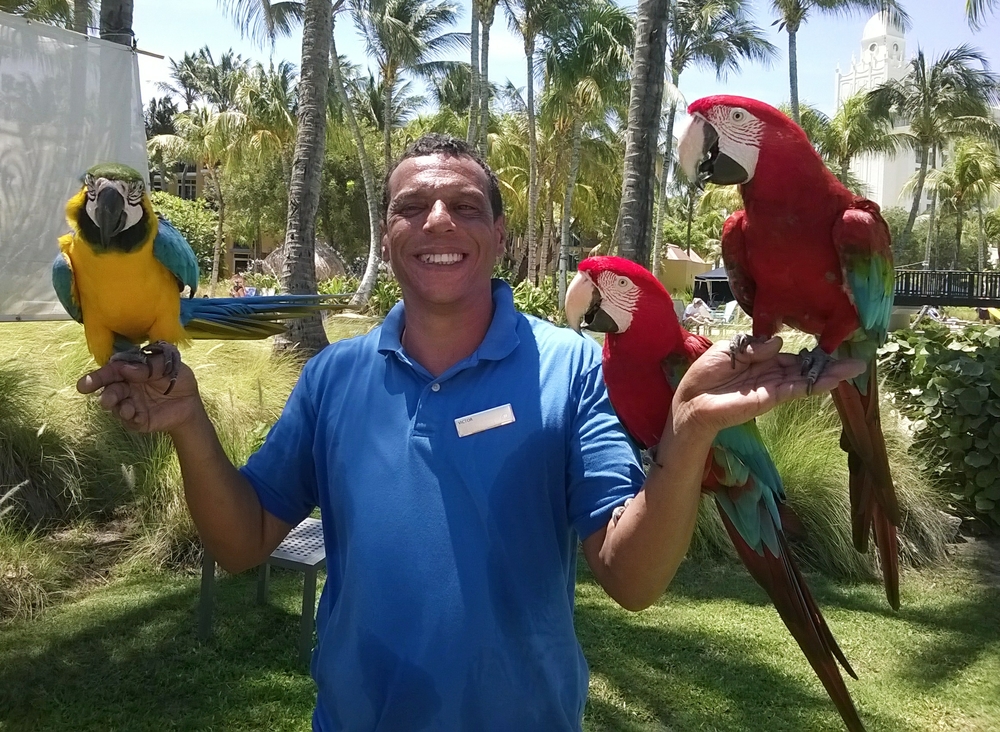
<point>808,253</point>
<point>646,352</point>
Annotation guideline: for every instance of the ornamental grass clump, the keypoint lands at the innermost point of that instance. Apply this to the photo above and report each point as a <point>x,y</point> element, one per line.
<point>803,437</point>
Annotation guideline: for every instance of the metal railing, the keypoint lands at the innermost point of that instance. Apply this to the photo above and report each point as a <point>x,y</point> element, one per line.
<point>915,287</point>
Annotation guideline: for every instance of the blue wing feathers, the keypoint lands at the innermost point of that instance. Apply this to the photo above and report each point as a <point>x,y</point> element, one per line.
<point>172,250</point>
<point>247,317</point>
<point>62,282</point>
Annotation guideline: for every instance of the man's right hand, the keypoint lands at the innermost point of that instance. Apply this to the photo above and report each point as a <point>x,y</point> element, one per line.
<point>134,393</point>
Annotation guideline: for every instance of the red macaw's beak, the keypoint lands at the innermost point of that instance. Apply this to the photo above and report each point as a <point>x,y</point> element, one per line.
<point>701,158</point>
<point>583,306</point>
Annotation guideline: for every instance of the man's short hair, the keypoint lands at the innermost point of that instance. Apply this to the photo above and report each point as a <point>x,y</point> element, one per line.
<point>438,144</point>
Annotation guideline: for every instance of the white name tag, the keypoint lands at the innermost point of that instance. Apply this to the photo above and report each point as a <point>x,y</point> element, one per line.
<point>485,420</point>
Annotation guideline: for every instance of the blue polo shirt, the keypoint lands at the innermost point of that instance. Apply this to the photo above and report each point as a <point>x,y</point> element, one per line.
<point>451,559</point>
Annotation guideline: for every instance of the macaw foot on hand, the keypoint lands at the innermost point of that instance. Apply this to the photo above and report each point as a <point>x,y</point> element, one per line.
<point>739,344</point>
<point>814,363</point>
<point>171,359</point>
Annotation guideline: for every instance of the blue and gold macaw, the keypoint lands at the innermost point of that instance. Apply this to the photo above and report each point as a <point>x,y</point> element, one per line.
<point>122,270</point>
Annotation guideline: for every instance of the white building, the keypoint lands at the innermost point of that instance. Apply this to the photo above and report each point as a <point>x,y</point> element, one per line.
<point>883,57</point>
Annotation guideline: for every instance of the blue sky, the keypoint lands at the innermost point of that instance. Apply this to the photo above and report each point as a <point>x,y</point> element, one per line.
<point>171,27</point>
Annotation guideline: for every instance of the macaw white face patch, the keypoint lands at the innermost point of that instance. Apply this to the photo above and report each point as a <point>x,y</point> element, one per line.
<point>739,135</point>
<point>131,193</point>
<point>619,296</point>
<point>486,420</point>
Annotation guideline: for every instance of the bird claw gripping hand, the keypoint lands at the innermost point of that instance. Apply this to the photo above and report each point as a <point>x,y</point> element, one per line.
<point>171,359</point>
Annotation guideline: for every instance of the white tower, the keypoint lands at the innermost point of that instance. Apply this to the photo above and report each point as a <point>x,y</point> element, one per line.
<point>883,50</point>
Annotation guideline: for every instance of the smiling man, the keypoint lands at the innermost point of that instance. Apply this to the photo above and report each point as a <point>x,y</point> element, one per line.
<point>459,454</point>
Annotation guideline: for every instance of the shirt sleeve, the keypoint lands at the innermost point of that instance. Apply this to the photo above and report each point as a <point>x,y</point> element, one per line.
<point>283,470</point>
<point>603,464</point>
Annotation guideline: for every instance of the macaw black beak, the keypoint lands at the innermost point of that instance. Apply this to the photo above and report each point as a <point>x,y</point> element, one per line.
<point>717,167</point>
<point>110,212</point>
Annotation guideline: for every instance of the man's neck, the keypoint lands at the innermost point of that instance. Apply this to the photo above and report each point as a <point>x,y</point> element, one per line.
<point>437,339</point>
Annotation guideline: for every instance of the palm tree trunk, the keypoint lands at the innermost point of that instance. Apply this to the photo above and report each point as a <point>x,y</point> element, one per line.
<point>574,167</point>
<point>643,131</point>
<point>529,53</point>
<point>298,273</point>
<point>981,248</point>
<point>116,21</point>
<point>388,81</point>
<point>929,244</point>
<point>958,237</point>
<point>917,193</point>
<point>213,280</point>
<point>690,219</point>
<point>81,15</point>
<point>484,82</point>
<point>474,88</point>
<point>367,173</point>
<point>793,70</point>
<point>668,156</point>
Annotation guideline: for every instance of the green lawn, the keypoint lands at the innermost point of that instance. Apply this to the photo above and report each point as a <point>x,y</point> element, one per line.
<point>712,655</point>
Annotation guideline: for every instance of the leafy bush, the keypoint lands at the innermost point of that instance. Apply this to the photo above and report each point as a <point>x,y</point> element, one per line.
<point>385,294</point>
<point>803,437</point>
<point>339,285</point>
<point>948,383</point>
<point>261,281</point>
<point>542,301</point>
<point>194,219</point>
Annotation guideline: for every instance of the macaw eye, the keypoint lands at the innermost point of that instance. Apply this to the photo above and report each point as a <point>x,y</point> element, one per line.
<point>622,282</point>
<point>91,185</point>
<point>135,189</point>
<point>737,115</point>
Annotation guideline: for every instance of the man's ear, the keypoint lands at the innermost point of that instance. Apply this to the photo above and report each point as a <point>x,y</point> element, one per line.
<point>385,241</point>
<point>500,229</point>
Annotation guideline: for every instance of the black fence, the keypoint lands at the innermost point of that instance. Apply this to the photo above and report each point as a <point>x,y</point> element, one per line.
<point>916,287</point>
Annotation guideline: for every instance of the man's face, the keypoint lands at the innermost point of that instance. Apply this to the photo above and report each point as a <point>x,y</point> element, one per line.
<point>440,235</point>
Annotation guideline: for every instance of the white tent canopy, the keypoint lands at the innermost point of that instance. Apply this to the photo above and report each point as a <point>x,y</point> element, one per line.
<point>67,102</point>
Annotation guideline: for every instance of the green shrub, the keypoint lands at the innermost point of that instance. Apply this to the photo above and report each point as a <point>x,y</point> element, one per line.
<point>803,437</point>
<point>338,285</point>
<point>385,295</point>
<point>948,384</point>
<point>261,281</point>
<point>194,219</point>
<point>542,300</point>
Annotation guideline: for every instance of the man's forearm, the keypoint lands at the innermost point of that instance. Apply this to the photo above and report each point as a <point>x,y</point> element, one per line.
<point>637,556</point>
<point>233,525</point>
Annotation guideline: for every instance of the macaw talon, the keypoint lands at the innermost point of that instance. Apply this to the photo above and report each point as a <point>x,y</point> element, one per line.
<point>814,363</point>
<point>739,344</point>
<point>171,361</point>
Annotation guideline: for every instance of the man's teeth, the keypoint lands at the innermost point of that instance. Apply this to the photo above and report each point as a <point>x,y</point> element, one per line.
<point>441,258</point>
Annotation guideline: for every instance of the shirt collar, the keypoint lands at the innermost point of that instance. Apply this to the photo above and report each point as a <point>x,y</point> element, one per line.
<point>500,340</point>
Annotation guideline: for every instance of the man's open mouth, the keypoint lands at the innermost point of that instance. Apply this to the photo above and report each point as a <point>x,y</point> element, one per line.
<point>450,258</point>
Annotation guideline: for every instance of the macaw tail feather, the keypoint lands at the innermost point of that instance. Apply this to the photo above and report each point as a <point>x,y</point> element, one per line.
<point>248,318</point>
<point>874,506</point>
<point>780,578</point>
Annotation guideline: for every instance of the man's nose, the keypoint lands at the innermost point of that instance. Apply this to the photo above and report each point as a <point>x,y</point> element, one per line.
<point>439,217</point>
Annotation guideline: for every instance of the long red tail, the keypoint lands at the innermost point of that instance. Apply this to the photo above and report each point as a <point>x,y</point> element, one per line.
<point>784,584</point>
<point>873,496</point>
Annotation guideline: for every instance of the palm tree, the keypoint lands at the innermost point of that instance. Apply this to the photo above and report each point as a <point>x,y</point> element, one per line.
<point>854,131</point>
<point>405,35</point>
<point>975,11</point>
<point>81,16</point>
<point>219,80</point>
<point>116,21</point>
<point>367,173</point>
<point>159,117</point>
<point>941,101</point>
<point>266,20</point>
<point>793,13</point>
<point>529,18</point>
<point>56,12</point>
<point>717,34</point>
<point>587,60</point>
<point>185,79</point>
<point>474,62</point>
<point>971,177</point>
<point>487,12</point>
<point>264,102</point>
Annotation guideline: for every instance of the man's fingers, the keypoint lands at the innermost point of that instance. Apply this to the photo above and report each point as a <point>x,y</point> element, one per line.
<point>113,395</point>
